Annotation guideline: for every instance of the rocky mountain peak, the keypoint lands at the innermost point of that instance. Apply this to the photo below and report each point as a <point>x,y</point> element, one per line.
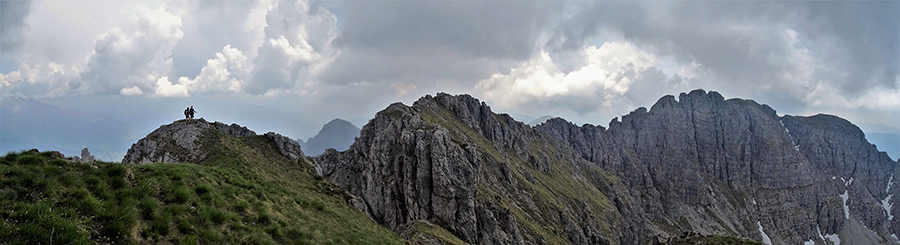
<point>183,141</point>
<point>698,163</point>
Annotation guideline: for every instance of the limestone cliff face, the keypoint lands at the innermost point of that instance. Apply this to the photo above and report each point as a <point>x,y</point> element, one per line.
<point>485,178</point>
<point>699,163</point>
<point>182,141</point>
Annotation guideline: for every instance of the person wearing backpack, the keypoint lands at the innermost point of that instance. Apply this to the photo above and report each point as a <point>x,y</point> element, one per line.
<point>187,113</point>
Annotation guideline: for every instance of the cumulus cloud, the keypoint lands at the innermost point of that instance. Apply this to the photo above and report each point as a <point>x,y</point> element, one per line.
<point>165,88</point>
<point>297,45</point>
<point>36,80</point>
<point>774,51</point>
<point>141,58</point>
<point>131,91</point>
<point>608,73</point>
<point>210,25</point>
<point>224,73</point>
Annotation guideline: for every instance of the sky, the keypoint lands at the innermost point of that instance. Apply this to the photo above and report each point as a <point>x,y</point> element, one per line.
<point>291,66</point>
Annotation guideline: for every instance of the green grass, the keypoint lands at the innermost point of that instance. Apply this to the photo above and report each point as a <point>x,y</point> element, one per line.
<point>428,233</point>
<point>690,238</point>
<point>245,193</point>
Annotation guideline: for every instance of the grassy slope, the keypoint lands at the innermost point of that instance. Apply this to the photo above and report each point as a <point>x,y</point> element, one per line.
<point>246,193</point>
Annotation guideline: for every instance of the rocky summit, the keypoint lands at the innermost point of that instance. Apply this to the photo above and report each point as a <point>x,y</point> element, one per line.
<point>447,166</point>
<point>183,141</point>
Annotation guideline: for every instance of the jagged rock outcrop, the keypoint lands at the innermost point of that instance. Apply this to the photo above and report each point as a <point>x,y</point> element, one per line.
<point>718,166</point>
<point>450,161</point>
<point>338,134</point>
<point>183,141</point>
<point>286,146</point>
<point>85,156</point>
<point>698,163</point>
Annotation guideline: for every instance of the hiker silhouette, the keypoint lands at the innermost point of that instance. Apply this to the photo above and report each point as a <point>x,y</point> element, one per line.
<point>192,111</point>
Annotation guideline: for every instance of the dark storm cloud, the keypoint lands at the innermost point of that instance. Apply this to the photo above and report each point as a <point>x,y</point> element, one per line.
<point>13,26</point>
<point>870,34</point>
<point>456,43</point>
<point>475,29</point>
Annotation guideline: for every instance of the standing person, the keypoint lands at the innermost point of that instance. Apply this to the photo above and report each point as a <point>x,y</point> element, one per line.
<point>187,113</point>
<point>192,112</point>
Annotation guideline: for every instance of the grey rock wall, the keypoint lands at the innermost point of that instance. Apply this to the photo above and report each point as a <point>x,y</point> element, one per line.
<point>697,163</point>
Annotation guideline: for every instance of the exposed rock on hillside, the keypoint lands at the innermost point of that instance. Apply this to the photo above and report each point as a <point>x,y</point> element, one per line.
<point>182,141</point>
<point>338,134</point>
<point>698,164</point>
<point>485,178</point>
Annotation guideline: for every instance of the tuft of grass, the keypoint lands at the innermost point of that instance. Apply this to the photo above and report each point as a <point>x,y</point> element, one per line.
<point>30,159</point>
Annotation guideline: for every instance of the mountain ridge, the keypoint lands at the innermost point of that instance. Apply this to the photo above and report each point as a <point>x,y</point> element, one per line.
<point>735,158</point>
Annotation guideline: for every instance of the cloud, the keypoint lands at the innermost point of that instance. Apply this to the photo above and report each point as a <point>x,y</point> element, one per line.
<point>131,91</point>
<point>210,25</point>
<point>608,73</point>
<point>297,45</point>
<point>141,58</point>
<point>433,45</point>
<point>165,88</point>
<point>774,51</point>
<point>13,26</point>
<point>224,73</point>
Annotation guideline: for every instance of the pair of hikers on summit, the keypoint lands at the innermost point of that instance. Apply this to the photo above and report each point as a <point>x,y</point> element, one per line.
<point>189,113</point>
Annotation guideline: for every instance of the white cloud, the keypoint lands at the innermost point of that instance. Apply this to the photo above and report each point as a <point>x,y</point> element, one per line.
<point>607,74</point>
<point>131,91</point>
<point>165,88</point>
<point>297,46</point>
<point>224,73</point>
<point>121,60</point>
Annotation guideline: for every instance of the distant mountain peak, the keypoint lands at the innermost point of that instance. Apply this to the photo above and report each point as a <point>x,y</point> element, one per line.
<point>337,133</point>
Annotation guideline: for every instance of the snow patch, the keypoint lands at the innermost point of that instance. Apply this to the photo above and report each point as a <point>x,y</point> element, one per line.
<point>765,238</point>
<point>820,233</point>
<point>753,201</point>
<point>796,147</point>
<point>810,242</point>
<point>845,197</point>
<point>834,238</point>
<point>886,203</point>
<point>895,238</point>
<point>890,182</point>
<point>846,182</point>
